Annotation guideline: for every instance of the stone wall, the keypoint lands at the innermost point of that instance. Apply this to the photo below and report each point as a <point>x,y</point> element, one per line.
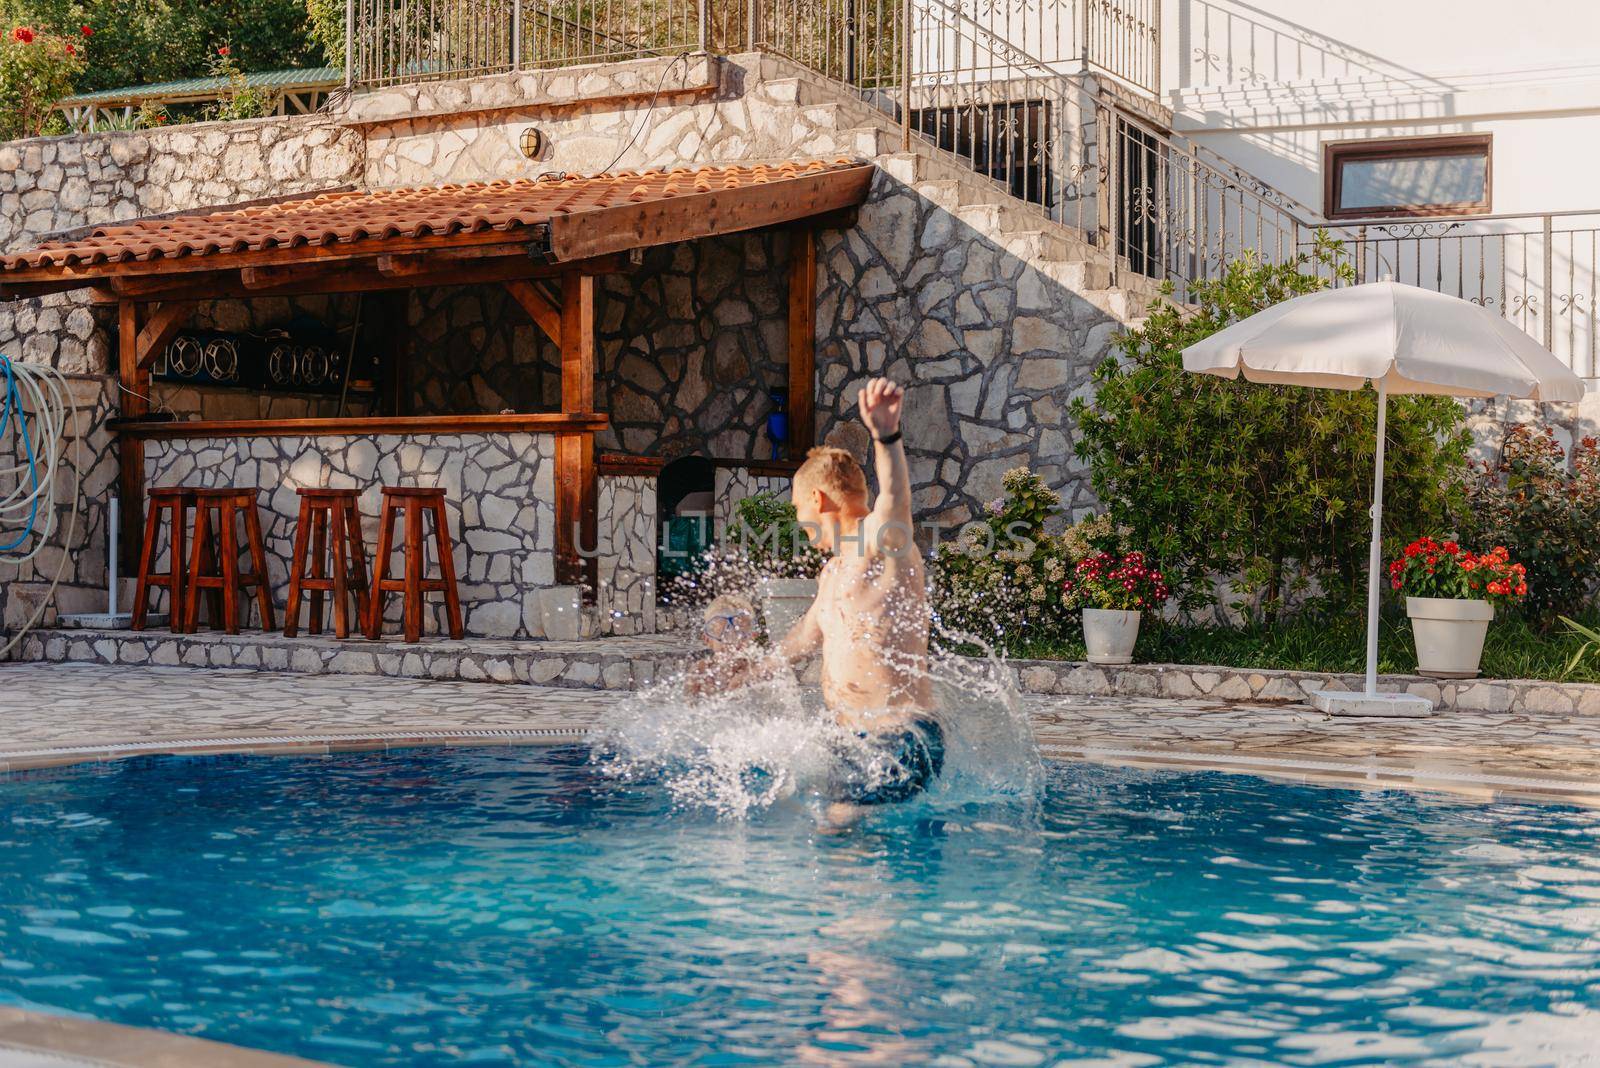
<point>500,491</point>
<point>626,539</point>
<point>88,453</point>
<point>54,184</point>
<point>691,343</point>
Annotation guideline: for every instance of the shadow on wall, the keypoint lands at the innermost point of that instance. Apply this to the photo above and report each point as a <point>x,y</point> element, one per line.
<point>991,346</point>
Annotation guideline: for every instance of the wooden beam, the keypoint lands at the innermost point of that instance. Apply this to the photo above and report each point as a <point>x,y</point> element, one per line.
<point>576,496</point>
<point>418,425</point>
<point>506,243</point>
<point>689,216</point>
<point>343,278</point>
<point>575,509</point>
<point>544,311</point>
<point>135,404</point>
<point>164,322</point>
<point>577,342</point>
<point>802,340</point>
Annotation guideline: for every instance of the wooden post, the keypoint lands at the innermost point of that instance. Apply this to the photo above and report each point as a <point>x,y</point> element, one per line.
<point>576,495</point>
<point>802,341</point>
<point>391,318</point>
<point>135,394</point>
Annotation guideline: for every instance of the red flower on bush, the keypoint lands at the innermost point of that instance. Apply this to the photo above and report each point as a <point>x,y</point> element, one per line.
<point>22,34</point>
<point>87,31</point>
<point>224,50</point>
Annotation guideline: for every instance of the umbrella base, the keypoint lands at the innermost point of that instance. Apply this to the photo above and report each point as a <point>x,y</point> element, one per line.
<point>1352,703</point>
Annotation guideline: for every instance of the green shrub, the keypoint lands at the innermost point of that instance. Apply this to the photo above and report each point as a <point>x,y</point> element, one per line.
<point>1546,513</point>
<point>37,68</point>
<point>1268,485</point>
<point>1000,581</point>
<point>768,532</point>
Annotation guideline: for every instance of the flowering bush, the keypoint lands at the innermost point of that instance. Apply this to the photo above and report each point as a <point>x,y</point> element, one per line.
<point>1429,568</point>
<point>1119,583</point>
<point>37,68</point>
<point>1000,580</point>
<point>239,100</point>
<point>1546,512</point>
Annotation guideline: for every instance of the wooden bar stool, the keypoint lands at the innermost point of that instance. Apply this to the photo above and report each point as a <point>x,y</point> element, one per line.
<point>413,502</point>
<point>218,568</point>
<point>328,515</point>
<point>173,504</point>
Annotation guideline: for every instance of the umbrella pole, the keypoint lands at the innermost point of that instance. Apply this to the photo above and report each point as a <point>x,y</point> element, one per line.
<point>1375,554</point>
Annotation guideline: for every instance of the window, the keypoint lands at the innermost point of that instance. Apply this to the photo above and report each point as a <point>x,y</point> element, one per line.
<point>1406,176</point>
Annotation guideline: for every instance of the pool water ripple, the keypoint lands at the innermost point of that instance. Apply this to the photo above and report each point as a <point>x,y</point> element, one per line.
<point>504,906</point>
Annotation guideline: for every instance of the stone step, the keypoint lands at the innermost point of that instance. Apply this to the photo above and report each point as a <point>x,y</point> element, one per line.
<point>599,664</point>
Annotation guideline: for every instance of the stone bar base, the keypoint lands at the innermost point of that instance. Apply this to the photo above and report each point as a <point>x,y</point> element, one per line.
<point>633,662</point>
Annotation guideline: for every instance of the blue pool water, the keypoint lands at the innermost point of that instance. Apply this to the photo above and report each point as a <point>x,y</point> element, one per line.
<point>503,906</point>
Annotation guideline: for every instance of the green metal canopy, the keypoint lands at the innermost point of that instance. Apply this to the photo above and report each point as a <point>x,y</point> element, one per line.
<point>191,89</point>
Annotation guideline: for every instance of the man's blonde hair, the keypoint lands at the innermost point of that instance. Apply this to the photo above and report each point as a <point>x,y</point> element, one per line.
<point>833,471</point>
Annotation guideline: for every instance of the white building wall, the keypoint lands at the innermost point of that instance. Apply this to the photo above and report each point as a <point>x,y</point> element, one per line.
<point>1265,89</point>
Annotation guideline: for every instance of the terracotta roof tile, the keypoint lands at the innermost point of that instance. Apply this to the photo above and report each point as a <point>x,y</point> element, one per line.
<point>357,216</point>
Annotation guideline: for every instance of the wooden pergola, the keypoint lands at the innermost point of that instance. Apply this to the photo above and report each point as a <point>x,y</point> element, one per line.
<point>544,241</point>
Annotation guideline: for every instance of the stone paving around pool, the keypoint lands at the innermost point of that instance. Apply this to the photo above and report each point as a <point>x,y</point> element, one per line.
<point>627,663</point>
<point>52,714</point>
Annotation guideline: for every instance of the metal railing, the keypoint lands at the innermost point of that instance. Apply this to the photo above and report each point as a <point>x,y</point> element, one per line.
<point>856,41</point>
<point>1035,95</point>
<point>1538,270</point>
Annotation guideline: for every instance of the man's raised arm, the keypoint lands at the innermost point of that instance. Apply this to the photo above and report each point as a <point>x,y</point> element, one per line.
<point>880,403</point>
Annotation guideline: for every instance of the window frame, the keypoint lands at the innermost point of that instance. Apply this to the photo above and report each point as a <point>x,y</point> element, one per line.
<point>1337,153</point>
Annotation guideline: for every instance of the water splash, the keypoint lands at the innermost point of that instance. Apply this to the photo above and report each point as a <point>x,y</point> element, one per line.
<point>741,751</point>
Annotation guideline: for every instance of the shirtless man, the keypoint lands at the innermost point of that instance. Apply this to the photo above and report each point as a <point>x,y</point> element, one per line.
<point>870,618</point>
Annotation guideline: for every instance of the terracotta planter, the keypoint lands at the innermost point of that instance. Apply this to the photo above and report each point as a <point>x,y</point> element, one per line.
<point>1109,635</point>
<point>1449,633</point>
<point>784,601</point>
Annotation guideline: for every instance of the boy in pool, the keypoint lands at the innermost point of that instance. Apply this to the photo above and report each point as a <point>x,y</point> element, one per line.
<point>728,628</point>
<point>870,618</point>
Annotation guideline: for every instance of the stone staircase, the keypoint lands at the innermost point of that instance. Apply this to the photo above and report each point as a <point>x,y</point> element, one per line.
<point>831,119</point>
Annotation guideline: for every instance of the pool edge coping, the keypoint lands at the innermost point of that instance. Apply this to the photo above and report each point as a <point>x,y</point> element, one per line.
<point>88,1041</point>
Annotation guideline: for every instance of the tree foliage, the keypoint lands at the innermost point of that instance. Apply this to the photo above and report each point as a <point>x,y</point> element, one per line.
<point>138,42</point>
<point>1266,485</point>
<point>37,68</point>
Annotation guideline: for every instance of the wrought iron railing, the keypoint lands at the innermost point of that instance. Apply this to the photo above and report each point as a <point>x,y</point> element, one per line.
<point>1538,270</point>
<point>857,41</point>
<point>1036,95</point>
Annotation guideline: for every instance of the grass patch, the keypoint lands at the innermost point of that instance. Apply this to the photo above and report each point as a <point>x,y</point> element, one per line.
<point>1514,650</point>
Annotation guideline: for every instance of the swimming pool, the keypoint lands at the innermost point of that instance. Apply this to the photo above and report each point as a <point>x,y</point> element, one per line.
<point>515,906</point>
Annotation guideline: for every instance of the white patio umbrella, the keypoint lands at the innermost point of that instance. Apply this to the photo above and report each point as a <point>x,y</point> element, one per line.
<point>1402,339</point>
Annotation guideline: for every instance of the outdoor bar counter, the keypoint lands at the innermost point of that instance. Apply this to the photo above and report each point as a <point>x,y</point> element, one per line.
<point>499,473</point>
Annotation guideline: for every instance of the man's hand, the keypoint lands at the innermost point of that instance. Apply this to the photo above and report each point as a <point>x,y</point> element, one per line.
<point>879,402</point>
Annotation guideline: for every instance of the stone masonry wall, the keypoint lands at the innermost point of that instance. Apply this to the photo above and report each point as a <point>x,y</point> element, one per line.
<point>53,184</point>
<point>87,453</point>
<point>691,343</point>
<point>500,493</point>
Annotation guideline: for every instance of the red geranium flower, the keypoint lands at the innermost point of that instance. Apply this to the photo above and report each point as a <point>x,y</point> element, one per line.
<point>86,31</point>
<point>71,51</point>
<point>22,34</point>
<point>223,50</point>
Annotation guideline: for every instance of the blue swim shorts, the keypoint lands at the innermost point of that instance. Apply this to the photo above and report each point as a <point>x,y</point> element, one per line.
<point>916,754</point>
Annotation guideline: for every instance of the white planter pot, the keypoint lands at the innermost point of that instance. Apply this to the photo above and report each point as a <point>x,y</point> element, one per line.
<point>784,601</point>
<point>1109,635</point>
<point>1449,633</point>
